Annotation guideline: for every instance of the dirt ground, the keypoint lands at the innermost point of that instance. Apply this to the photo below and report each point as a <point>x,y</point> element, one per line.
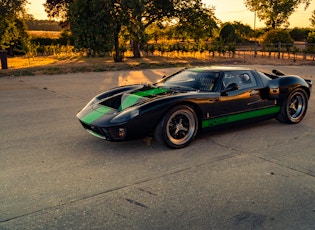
<point>79,64</point>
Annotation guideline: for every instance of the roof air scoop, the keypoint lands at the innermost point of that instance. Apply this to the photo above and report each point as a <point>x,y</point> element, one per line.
<point>278,72</point>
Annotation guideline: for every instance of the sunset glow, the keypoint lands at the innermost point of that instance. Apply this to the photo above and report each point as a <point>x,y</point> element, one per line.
<point>225,10</point>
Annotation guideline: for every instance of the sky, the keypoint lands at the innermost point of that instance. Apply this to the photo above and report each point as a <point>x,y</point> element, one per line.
<point>225,10</point>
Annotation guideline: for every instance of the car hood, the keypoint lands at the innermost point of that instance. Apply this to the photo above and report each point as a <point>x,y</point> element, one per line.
<point>105,108</point>
<point>137,96</point>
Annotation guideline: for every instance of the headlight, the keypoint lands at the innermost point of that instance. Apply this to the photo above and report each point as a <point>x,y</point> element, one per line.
<point>125,115</point>
<point>92,102</point>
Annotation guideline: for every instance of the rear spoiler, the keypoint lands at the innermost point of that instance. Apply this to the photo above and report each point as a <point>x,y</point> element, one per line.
<point>280,73</point>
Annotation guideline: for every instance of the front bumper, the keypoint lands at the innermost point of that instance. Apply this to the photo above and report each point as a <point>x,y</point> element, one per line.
<point>110,134</point>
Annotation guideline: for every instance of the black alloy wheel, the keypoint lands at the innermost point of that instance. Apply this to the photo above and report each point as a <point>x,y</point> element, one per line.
<point>178,127</point>
<point>294,107</point>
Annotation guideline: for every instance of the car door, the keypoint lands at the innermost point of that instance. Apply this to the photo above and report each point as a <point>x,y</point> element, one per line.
<point>245,98</point>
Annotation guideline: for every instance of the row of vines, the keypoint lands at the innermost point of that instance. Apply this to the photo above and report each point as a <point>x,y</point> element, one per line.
<point>190,49</point>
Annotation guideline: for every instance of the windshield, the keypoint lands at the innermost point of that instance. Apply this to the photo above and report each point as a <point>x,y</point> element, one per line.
<point>190,79</point>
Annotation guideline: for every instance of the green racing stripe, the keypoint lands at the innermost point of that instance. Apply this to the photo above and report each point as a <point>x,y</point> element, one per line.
<point>129,101</point>
<point>133,98</point>
<point>94,115</point>
<point>239,117</point>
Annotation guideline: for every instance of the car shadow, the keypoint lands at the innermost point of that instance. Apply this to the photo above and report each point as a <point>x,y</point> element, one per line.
<point>150,145</point>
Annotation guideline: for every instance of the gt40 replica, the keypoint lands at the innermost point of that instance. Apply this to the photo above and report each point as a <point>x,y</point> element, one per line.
<point>178,106</point>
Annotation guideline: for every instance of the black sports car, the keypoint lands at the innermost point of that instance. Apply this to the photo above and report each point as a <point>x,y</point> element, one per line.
<point>178,106</point>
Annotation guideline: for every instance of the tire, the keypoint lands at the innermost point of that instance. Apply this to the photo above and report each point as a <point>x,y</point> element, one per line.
<point>294,107</point>
<point>178,127</point>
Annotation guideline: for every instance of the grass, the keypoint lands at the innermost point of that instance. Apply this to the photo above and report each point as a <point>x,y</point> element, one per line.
<point>44,34</point>
<point>60,64</point>
<point>23,62</point>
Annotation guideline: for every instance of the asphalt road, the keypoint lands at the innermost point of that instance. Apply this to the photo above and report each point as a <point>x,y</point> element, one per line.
<point>54,175</point>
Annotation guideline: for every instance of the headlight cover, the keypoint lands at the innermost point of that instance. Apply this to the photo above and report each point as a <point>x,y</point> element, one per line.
<point>125,115</point>
<point>91,102</point>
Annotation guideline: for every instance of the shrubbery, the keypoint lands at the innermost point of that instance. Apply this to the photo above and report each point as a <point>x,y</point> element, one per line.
<point>276,36</point>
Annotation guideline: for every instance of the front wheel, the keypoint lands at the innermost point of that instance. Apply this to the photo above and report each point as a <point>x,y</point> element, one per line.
<point>294,107</point>
<point>178,127</point>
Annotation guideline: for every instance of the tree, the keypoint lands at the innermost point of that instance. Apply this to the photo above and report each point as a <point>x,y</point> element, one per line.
<point>228,34</point>
<point>141,14</point>
<point>312,19</point>
<point>104,20</point>
<point>58,9</point>
<point>85,17</point>
<point>196,20</point>
<point>96,26</point>
<point>243,31</point>
<point>13,34</point>
<point>274,12</point>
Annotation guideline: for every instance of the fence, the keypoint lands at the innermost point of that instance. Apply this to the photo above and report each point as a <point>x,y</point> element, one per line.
<point>297,51</point>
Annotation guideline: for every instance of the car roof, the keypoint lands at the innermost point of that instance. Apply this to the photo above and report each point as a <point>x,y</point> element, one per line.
<point>216,68</point>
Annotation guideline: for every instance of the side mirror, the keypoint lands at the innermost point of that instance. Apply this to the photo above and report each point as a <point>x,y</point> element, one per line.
<point>231,87</point>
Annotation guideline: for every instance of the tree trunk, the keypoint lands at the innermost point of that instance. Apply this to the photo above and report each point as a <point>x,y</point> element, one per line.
<point>118,57</point>
<point>136,49</point>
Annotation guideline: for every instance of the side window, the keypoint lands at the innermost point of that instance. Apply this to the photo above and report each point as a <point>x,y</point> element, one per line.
<point>247,80</point>
<point>229,78</point>
<point>244,79</point>
<point>207,81</point>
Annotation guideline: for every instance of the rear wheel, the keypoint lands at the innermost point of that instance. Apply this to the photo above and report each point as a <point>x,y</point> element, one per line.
<point>294,107</point>
<point>178,127</point>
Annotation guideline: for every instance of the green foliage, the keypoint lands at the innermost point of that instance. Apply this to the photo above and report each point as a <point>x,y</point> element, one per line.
<point>228,34</point>
<point>299,34</point>
<point>43,41</point>
<point>312,19</point>
<point>276,36</point>
<point>196,21</point>
<point>157,31</point>
<point>274,12</point>
<point>58,9</point>
<point>218,45</point>
<point>65,38</point>
<point>13,34</point>
<point>92,25</point>
<point>91,28</point>
<point>244,32</point>
<point>141,14</point>
<point>311,37</point>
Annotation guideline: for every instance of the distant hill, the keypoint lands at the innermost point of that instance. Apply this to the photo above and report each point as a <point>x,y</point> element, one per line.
<point>43,25</point>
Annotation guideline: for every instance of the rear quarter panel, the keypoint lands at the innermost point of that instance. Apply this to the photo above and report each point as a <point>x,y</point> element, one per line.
<point>281,87</point>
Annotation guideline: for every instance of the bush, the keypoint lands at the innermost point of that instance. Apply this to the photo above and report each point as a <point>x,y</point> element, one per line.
<point>311,37</point>
<point>299,34</point>
<point>228,34</point>
<point>65,38</point>
<point>44,41</point>
<point>276,36</point>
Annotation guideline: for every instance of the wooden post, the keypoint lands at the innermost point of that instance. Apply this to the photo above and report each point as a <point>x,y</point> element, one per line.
<point>279,50</point>
<point>4,60</point>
